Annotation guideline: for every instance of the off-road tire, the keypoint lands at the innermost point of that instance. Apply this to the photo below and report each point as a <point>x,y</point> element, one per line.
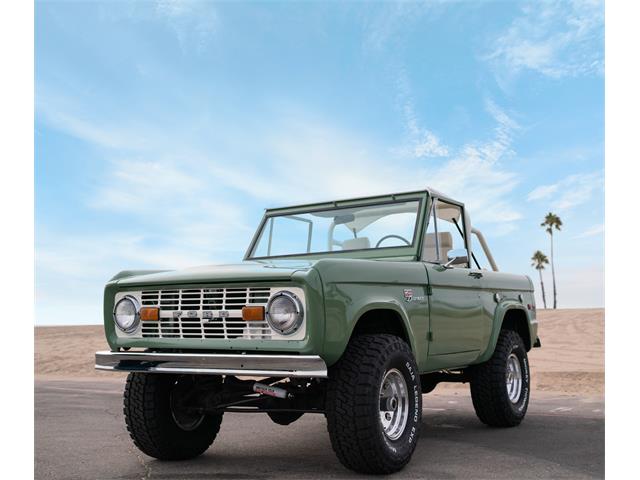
<point>151,423</point>
<point>488,386</point>
<point>353,405</point>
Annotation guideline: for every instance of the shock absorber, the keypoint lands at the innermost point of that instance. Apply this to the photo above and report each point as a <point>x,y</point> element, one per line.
<point>271,391</point>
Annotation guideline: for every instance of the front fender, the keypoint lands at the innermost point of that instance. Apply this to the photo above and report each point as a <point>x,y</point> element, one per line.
<point>387,304</point>
<point>498,318</point>
<point>345,304</point>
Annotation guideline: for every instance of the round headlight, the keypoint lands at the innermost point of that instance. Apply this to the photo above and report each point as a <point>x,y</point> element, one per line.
<point>284,312</point>
<point>127,314</point>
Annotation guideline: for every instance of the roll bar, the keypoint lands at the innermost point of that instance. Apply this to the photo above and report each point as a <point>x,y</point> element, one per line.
<point>485,247</point>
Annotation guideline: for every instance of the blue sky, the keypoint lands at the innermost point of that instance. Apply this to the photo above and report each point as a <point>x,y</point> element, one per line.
<point>163,129</point>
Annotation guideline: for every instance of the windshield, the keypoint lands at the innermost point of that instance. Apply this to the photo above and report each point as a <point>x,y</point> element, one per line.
<point>367,227</point>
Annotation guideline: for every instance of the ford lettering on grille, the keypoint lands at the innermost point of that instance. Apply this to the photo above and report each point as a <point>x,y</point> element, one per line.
<point>205,313</point>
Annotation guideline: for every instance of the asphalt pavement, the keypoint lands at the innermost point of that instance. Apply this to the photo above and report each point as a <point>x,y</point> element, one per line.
<point>80,434</point>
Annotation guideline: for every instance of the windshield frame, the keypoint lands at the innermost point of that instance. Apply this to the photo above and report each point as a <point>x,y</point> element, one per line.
<point>381,252</point>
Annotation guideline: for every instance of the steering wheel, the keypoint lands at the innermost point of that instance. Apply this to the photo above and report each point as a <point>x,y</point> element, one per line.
<point>392,236</point>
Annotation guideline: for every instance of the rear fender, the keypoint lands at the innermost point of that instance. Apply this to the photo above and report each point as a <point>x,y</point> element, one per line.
<point>498,321</point>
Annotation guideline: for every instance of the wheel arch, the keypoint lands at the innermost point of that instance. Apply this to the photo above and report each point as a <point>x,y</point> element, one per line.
<point>516,319</point>
<point>381,320</point>
<point>383,317</point>
<point>511,316</point>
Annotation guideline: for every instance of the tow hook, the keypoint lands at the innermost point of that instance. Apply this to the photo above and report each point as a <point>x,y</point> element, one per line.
<point>271,391</point>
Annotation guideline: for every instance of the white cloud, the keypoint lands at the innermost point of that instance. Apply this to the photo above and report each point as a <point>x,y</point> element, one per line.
<point>569,192</point>
<point>430,146</point>
<point>389,23</point>
<point>311,161</point>
<point>554,38</point>
<point>140,185</point>
<point>315,162</point>
<point>383,26</point>
<point>477,176</point>
<point>80,263</point>
<point>422,143</point>
<point>304,161</point>
<point>592,231</point>
<point>177,197</point>
<point>91,255</point>
<point>87,131</point>
<point>543,191</point>
<point>180,206</point>
<point>193,22</point>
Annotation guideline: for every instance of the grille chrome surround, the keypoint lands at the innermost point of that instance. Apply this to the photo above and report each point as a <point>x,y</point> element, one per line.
<point>208,313</point>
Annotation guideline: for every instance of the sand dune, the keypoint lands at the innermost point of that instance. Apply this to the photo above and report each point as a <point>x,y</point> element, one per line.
<point>571,359</point>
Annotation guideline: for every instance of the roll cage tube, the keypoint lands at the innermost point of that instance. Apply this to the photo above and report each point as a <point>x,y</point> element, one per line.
<point>472,230</point>
<point>485,247</point>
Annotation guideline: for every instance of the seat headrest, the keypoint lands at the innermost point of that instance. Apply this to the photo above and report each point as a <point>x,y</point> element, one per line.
<point>356,243</point>
<point>445,242</point>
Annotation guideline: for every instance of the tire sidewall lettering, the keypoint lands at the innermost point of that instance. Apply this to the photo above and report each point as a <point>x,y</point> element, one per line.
<point>523,401</point>
<point>405,444</point>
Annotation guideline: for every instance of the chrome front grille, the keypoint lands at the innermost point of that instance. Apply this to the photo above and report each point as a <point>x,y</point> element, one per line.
<point>205,313</point>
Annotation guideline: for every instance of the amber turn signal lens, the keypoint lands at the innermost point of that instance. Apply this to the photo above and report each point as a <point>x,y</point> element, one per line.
<point>149,314</point>
<point>253,314</point>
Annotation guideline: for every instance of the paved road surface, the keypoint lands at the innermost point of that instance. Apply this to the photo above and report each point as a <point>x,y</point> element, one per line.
<point>80,434</point>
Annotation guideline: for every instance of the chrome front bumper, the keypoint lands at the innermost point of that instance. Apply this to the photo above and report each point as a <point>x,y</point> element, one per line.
<point>213,364</point>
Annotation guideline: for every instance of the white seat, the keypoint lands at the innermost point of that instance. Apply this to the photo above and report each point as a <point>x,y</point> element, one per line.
<point>445,243</point>
<point>356,243</point>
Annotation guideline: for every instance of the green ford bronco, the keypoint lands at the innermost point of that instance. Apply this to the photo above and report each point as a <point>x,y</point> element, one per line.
<point>352,309</point>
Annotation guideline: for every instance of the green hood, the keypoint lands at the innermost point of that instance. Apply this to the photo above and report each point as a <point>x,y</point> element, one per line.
<point>250,271</point>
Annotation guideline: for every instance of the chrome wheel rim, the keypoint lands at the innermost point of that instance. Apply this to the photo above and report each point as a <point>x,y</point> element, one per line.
<point>514,378</point>
<point>394,404</point>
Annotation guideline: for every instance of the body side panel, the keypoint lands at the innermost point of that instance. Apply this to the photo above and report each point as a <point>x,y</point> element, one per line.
<point>457,324</point>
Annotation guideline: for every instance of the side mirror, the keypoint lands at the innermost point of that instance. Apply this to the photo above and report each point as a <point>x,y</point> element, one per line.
<point>458,256</point>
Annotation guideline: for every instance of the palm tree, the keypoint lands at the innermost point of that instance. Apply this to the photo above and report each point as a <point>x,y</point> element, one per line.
<point>539,260</point>
<point>551,221</point>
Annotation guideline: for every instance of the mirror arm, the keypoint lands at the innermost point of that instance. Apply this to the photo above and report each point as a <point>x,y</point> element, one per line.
<point>454,258</point>
<point>449,263</point>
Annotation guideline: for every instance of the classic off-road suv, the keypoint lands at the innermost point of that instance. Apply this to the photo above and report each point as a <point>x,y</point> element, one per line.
<point>352,309</point>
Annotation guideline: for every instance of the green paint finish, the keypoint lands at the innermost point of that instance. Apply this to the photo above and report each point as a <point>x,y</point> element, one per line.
<point>455,311</point>
<point>256,271</point>
<point>449,315</point>
<point>353,287</point>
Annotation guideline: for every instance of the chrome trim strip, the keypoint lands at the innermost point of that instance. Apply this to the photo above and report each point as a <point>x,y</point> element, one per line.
<point>213,364</point>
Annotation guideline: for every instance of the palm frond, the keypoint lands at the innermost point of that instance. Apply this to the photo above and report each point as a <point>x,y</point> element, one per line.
<point>539,260</point>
